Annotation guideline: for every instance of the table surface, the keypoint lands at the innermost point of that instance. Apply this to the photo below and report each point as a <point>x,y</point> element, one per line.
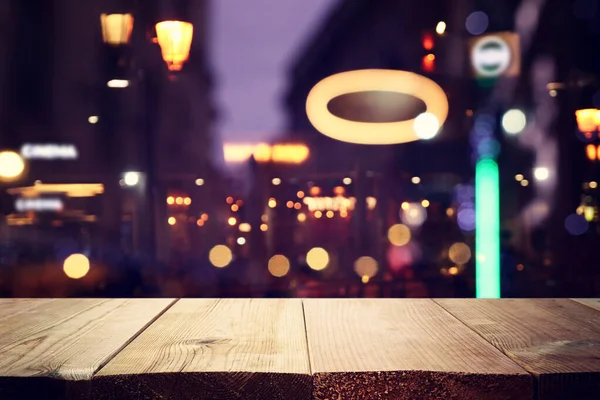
<point>299,349</point>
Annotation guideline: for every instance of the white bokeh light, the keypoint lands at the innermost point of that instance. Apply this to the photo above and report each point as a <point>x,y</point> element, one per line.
<point>426,125</point>
<point>514,121</point>
<point>541,173</point>
<point>131,178</point>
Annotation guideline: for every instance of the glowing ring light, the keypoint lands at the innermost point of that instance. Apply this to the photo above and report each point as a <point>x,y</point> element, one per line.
<point>491,56</point>
<point>373,80</point>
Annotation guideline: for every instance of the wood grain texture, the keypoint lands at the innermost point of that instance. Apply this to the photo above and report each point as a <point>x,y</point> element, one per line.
<point>49,349</point>
<point>404,349</point>
<point>214,349</point>
<point>557,340</point>
<point>594,303</point>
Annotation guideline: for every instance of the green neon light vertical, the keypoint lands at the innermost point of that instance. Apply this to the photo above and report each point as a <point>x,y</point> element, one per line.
<point>487,229</point>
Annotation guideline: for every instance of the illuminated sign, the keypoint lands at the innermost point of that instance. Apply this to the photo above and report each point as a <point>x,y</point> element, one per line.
<point>38,204</point>
<point>495,55</point>
<point>367,80</point>
<point>263,153</point>
<point>49,151</point>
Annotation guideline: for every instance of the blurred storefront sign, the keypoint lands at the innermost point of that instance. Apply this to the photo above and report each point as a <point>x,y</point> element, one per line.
<point>287,153</point>
<point>495,55</point>
<point>39,204</point>
<point>49,151</point>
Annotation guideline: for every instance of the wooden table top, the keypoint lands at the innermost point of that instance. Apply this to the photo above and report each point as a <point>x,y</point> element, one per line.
<point>292,349</point>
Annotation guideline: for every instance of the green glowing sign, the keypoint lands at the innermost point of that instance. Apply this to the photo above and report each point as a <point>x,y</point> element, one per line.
<point>487,229</point>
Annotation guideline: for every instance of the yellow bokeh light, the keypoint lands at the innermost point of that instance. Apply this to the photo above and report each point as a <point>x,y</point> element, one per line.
<point>317,258</point>
<point>204,217</point>
<point>200,222</point>
<point>187,201</point>
<point>220,256</point>
<point>416,180</point>
<point>593,185</point>
<point>318,214</point>
<point>170,200</point>
<point>289,204</point>
<point>364,279</point>
<point>245,227</point>
<point>347,180</point>
<point>179,200</point>
<point>262,153</point>
<point>450,211</point>
<point>399,235</point>
<point>366,266</point>
<point>329,214</point>
<point>300,194</point>
<point>297,206</point>
<point>272,203</point>
<point>519,177</point>
<point>175,41</point>
<point>76,266</point>
<point>453,270</point>
<point>12,165</point>
<point>234,207</point>
<point>339,190</point>
<point>459,253</point>
<point>276,181</point>
<point>371,202</point>
<point>405,205</point>
<point>373,80</point>
<point>440,28</point>
<point>315,191</point>
<point>301,217</point>
<point>172,221</point>
<point>279,266</point>
<point>232,221</point>
<point>264,227</point>
<point>264,218</point>
<point>343,213</point>
<point>425,203</point>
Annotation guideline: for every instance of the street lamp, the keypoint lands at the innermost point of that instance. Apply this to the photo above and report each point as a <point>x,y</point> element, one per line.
<point>12,165</point>
<point>588,121</point>
<point>116,28</point>
<point>175,41</point>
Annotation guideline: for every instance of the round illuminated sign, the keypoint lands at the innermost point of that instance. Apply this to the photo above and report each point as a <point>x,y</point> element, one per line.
<point>491,56</point>
<point>373,80</point>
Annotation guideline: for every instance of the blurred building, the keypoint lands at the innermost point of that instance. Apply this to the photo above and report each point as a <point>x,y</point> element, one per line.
<point>54,78</point>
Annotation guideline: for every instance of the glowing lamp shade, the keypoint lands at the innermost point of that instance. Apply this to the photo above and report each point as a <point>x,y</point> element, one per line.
<point>374,80</point>
<point>588,120</point>
<point>175,40</point>
<point>116,28</point>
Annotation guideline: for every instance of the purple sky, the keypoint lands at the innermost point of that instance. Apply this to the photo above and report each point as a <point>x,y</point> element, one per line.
<point>251,46</point>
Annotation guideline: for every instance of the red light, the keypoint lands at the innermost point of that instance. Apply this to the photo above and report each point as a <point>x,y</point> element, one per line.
<point>428,63</point>
<point>428,41</point>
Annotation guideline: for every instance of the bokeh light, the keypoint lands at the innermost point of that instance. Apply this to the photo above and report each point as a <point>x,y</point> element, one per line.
<point>317,258</point>
<point>272,203</point>
<point>232,221</point>
<point>300,194</point>
<point>425,203</point>
<point>301,217</point>
<point>276,181</point>
<point>347,181</point>
<point>519,177</point>
<point>440,28</point>
<point>465,217</point>
<point>241,241</point>
<point>541,173</point>
<point>426,125</point>
<point>576,224</point>
<point>477,22</point>
<point>131,178</point>
<point>234,207</point>
<point>264,227</point>
<point>289,204</point>
<point>514,121</point>
<point>187,201</point>
<point>366,267</point>
<point>93,119</point>
<point>12,165</point>
<point>399,235</point>
<point>459,253</point>
<point>76,266</point>
<point>329,214</point>
<point>279,266</point>
<point>199,182</point>
<point>416,180</point>
<point>414,215</point>
<point>171,221</point>
<point>220,256</point>
<point>170,200</point>
<point>318,214</point>
<point>245,227</point>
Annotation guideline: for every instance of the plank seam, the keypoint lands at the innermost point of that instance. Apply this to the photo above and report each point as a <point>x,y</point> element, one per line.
<point>133,337</point>
<point>507,354</point>
<point>306,338</point>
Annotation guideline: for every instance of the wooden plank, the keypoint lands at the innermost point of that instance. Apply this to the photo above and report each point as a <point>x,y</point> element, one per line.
<point>594,303</point>
<point>49,349</point>
<point>12,307</point>
<point>404,349</point>
<point>214,349</point>
<point>557,340</point>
